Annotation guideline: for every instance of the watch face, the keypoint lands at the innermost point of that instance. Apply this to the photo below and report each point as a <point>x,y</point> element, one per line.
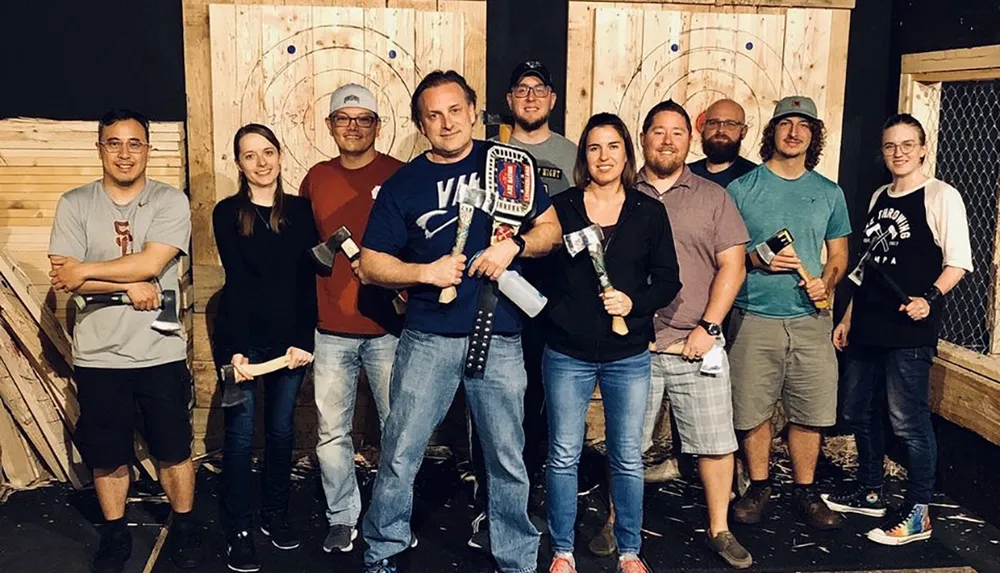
<point>711,328</point>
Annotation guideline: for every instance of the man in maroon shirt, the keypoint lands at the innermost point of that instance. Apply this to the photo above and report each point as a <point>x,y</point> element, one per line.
<point>357,324</point>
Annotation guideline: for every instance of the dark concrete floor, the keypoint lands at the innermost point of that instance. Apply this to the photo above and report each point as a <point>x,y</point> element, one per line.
<point>51,530</point>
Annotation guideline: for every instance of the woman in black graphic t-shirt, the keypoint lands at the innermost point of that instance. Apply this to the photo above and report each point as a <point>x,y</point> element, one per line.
<point>267,310</point>
<point>916,242</point>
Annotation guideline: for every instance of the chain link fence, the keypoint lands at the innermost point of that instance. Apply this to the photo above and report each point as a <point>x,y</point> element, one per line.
<point>968,157</point>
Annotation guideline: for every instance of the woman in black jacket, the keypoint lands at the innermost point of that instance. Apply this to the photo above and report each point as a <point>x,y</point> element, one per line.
<point>582,350</point>
<point>267,309</point>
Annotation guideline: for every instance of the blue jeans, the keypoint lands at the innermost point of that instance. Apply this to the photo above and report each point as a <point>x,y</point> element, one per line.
<point>280,389</point>
<point>338,359</point>
<point>425,377</point>
<point>899,378</point>
<point>569,384</point>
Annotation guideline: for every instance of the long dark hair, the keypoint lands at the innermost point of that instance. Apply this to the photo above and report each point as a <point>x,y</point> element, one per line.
<point>246,212</point>
<point>813,153</point>
<point>905,119</point>
<point>581,175</point>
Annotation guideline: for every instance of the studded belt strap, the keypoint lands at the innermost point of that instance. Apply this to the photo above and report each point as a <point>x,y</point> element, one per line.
<point>482,331</point>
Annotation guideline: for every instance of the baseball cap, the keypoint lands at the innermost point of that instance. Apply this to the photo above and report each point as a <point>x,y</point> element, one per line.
<point>352,95</point>
<point>796,105</point>
<point>531,68</point>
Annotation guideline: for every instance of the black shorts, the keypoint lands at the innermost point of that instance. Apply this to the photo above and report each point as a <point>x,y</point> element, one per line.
<point>108,397</point>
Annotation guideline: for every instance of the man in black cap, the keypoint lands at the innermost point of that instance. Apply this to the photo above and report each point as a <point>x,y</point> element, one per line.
<point>531,98</point>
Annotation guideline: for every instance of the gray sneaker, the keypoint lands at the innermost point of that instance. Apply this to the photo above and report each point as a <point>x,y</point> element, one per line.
<point>728,548</point>
<point>341,538</point>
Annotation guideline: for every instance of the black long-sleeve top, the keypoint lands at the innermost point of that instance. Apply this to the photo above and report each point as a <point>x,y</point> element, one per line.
<point>640,261</point>
<point>269,297</point>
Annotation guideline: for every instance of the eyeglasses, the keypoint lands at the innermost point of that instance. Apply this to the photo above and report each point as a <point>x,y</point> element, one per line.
<point>728,124</point>
<point>906,147</point>
<point>364,121</point>
<point>115,145</point>
<point>540,91</point>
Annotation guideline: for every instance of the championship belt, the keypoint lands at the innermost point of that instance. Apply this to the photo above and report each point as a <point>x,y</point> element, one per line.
<point>510,173</point>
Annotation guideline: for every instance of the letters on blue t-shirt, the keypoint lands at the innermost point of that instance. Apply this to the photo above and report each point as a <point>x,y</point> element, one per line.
<point>813,209</point>
<point>414,218</point>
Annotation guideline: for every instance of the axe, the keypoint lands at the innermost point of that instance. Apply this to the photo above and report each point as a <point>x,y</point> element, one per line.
<point>469,199</point>
<point>590,239</point>
<point>166,322</point>
<point>324,253</point>
<point>783,240</point>
<point>858,274</point>
<point>904,299</point>
<point>228,372</point>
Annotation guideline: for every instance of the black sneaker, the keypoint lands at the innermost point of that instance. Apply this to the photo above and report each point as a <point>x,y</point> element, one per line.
<point>863,501</point>
<point>113,552</point>
<point>281,533</point>
<point>184,541</point>
<point>383,566</point>
<point>480,533</point>
<point>241,555</point>
<point>341,538</point>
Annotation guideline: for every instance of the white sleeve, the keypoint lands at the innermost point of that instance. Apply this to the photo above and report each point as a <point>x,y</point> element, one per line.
<point>875,196</point>
<point>949,224</point>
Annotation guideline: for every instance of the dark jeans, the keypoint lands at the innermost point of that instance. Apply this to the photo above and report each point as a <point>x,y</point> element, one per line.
<point>878,379</point>
<point>280,389</point>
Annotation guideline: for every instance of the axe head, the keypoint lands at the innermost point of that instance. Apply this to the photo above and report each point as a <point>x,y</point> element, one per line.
<point>578,241</point>
<point>476,197</point>
<point>771,247</point>
<point>227,373</point>
<point>324,252</point>
<point>167,322</point>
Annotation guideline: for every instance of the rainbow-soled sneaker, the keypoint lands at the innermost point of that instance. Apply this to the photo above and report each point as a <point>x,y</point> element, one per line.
<point>911,522</point>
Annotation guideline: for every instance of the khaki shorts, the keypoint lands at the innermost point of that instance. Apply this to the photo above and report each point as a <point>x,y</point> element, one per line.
<point>788,358</point>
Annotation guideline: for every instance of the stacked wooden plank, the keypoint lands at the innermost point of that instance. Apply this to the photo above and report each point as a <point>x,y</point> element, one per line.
<point>40,160</point>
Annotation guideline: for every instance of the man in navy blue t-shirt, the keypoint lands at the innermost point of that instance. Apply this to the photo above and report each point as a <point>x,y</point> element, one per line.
<point>407,244</point>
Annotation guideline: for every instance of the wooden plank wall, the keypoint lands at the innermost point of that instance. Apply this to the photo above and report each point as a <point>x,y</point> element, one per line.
<point>427,30</point>
<point>42,159</point>
<point>624,57</point>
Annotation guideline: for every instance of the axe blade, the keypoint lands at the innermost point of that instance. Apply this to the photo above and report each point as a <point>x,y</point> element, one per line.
<point>771,247</point>
<point>167,321</point>
<point>578,241</point>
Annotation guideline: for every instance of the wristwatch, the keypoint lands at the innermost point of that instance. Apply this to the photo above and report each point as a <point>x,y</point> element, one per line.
<point>710,327</point>
<point>519,241</point>
<point>932,294</point>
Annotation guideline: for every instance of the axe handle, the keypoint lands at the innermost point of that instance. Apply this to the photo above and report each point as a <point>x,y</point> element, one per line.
<point>116,298</point>
<point>266,367</point>
<point>465,213</point>
<point>618,325</point>
<point>820,304</point>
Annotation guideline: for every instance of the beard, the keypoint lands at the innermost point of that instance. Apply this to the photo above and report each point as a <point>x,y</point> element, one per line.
<point>719,150</point>
<point>527,125</point>
<point>665,167</point>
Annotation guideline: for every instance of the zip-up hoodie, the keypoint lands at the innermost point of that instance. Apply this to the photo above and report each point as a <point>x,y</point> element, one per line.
<point>641,262</point>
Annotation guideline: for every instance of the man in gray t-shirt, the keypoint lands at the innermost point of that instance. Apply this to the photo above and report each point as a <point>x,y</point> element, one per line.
<point>531,98</point>
<point>125,233</point>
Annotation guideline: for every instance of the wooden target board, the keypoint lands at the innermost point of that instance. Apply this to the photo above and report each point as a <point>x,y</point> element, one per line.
<point>638,58</point>
<point>278,65</point>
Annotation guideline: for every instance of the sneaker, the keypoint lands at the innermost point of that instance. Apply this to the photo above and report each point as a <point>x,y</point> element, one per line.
<point>341,538</point>
<point>668,470</point>
<point>113,552</point>
<point>480,533</point>
<point>728,548</point>
<point>562,564</point>
<point>750,508</point>
<point>604,544</point>
<point>632,564</point>
<point>241,554</point>
<point>281,533</point>
<point>184,541</point>
<point>911,522</point>
<point>383,566</point>
<point>863,501</point>
<point>814,511</point>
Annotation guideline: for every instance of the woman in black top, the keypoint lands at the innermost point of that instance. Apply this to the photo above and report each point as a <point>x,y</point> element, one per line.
<point>268,309</point>
<point>582,350</point>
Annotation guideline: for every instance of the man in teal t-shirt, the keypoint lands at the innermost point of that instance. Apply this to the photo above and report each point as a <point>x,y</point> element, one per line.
<point>780,337</point>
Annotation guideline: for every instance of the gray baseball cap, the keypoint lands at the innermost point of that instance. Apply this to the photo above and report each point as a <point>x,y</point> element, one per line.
<point>352,95</point>
<point>796,105</point>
